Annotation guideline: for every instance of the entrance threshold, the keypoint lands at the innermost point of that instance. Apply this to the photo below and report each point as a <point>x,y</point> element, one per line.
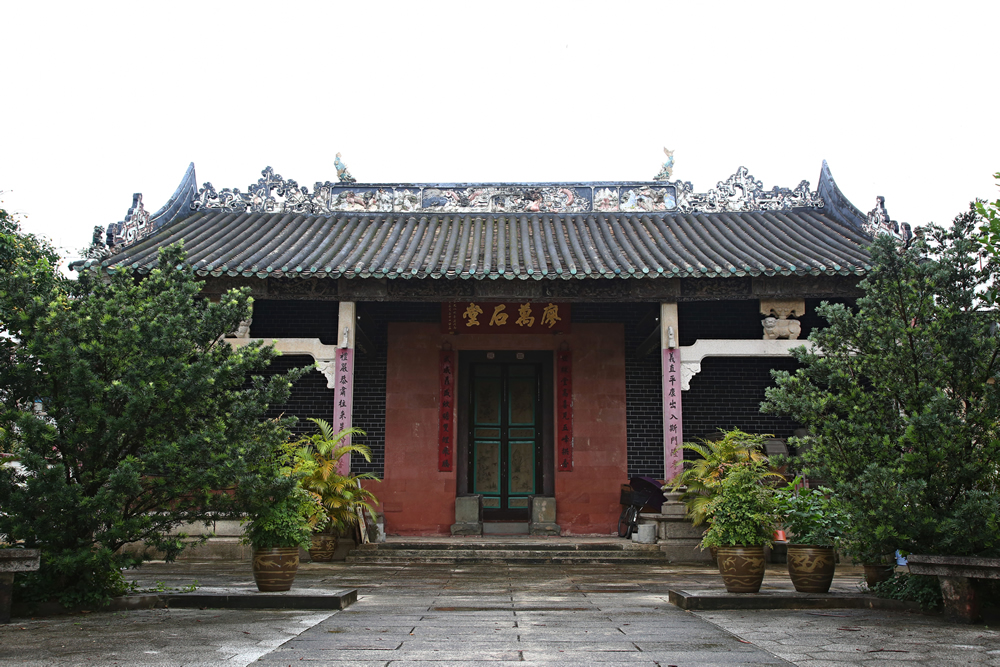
<point>505,527</point>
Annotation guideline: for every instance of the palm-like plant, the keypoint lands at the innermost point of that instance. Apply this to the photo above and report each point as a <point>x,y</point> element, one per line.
<point>704,476</point>
<point>341,495</point>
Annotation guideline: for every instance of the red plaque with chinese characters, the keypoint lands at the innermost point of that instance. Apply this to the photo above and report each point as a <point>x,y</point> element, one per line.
<point>564,410</point>
<point>462,317</point>
<point>446,430</point>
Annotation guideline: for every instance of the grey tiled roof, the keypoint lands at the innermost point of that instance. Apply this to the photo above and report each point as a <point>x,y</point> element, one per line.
<point>537,246</point>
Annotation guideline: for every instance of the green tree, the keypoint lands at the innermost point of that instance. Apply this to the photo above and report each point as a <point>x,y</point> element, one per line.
<point>901,395</point>
<point>146,417</point>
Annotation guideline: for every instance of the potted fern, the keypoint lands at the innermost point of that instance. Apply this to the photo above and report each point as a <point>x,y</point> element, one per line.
<point>344,500</point>
<point>743,517</point>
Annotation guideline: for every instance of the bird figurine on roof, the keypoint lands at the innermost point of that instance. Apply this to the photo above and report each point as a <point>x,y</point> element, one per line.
<point>342,173</point>
<point>668,167</point>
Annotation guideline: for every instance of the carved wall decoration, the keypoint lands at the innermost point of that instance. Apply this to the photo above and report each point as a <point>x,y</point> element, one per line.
<point>717,289</point>
<point>657,288</point>
<point>430,288</point>
<point>594,289</point>
<point>805,286</point>
<point>294,288</point>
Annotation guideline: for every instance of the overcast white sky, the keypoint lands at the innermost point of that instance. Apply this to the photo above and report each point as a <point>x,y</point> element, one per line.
<point>102,100</point>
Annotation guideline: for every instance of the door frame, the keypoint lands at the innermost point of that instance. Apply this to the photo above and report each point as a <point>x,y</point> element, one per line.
<point>546,359</point>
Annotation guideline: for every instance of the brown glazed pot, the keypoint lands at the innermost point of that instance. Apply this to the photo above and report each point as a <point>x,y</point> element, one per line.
<point>876,573</point>
<point>811,567</point>
<point>274,569</point>
<point>322,547</point>
<point>742,568</point>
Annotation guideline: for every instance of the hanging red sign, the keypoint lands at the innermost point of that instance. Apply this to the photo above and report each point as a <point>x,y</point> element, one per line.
<point>564,412</point>
<point>464,317</point>
<point>446,432</point>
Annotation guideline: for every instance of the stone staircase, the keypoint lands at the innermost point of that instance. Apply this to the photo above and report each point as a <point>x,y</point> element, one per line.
<point>450,551</point>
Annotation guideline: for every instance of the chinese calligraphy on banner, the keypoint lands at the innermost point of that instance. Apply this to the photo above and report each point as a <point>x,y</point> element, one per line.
<point>564,416</point>
<point>526,317</point>
<point>446,435</point>
<point>673,430</point>
<point>344,391</point>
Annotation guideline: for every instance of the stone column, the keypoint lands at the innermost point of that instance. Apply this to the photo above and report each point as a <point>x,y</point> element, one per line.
<point>673,430</point>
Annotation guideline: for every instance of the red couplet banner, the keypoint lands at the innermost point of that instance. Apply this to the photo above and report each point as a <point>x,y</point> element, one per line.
<point>446,433</point>
<point>673,427</point>
<point>564,413</point>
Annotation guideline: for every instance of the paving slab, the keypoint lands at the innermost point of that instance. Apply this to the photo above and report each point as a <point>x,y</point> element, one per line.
<point>482,615</point>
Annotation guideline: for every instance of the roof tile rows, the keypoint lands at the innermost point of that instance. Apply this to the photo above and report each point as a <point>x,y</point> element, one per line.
<point>527,246</point>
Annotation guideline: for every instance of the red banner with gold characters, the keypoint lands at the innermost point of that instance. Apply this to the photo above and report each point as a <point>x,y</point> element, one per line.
<point>564,413</point>
<point>446,430</point>
<point>463,317</point>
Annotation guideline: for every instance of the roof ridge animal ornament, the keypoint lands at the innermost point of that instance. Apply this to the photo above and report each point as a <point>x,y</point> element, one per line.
<point>342,173</point>
<point>667,170</point>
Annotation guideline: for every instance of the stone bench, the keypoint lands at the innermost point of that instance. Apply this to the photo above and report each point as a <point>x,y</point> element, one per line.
<point>958,575</point>
<point>11,561</point>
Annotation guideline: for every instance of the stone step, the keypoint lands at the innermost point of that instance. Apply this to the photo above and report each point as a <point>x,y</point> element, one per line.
<point>468,545</point>
<point>577,558</point>
<point>486,552</point>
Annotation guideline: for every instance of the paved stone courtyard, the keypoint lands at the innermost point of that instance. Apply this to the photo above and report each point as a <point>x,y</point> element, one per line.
<point>484,614</point>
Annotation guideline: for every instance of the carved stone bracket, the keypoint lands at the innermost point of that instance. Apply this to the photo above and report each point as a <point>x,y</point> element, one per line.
<point>783,308</point>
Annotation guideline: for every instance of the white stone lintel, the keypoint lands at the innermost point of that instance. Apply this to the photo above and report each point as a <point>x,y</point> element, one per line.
<point>323,355</point>
<point>692,355</point>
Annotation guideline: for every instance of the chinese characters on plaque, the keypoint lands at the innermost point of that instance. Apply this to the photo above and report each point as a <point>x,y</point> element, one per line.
<point>344,391</point>
<point>673,432</point>
<point>564,415</point>
<point>526,317</point>
<point>446,435</point>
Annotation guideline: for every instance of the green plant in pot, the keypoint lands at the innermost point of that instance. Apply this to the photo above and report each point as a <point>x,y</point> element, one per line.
<point>343,498</point>
<point>814,522</point>
<point>743,518</point>
<point>701,478</point>
<point>280,516</point>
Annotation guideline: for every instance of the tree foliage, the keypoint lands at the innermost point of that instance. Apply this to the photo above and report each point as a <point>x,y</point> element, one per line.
<point>902,397</point>
<point>145,413</point>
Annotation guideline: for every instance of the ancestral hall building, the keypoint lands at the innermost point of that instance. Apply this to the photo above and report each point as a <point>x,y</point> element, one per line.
<point>512,345</point>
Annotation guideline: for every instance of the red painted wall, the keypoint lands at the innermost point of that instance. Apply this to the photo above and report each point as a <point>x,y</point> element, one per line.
<point>419,500</point>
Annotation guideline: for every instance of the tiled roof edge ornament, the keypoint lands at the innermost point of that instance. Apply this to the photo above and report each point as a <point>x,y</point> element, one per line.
<point>139,223</point>
<point>742,192</point>
<point>878,223</point>
<point>273,194</point>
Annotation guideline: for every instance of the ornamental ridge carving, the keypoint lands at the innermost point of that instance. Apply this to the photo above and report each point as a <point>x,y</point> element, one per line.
<point>878,223</point>
<point>274,194</point>
<point>742,192</point>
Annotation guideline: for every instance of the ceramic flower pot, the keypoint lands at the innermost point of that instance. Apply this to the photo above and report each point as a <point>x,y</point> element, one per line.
<point>876,573</point>
<point>274,569</point>
<point>742,568</point>
<point>811,567</point>
<point>322,547</point>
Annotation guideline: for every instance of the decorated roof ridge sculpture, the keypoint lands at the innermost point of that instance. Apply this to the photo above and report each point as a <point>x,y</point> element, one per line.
<point>272,193</point>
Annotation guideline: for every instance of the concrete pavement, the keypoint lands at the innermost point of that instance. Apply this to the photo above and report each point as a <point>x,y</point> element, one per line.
<point>484,614</point>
